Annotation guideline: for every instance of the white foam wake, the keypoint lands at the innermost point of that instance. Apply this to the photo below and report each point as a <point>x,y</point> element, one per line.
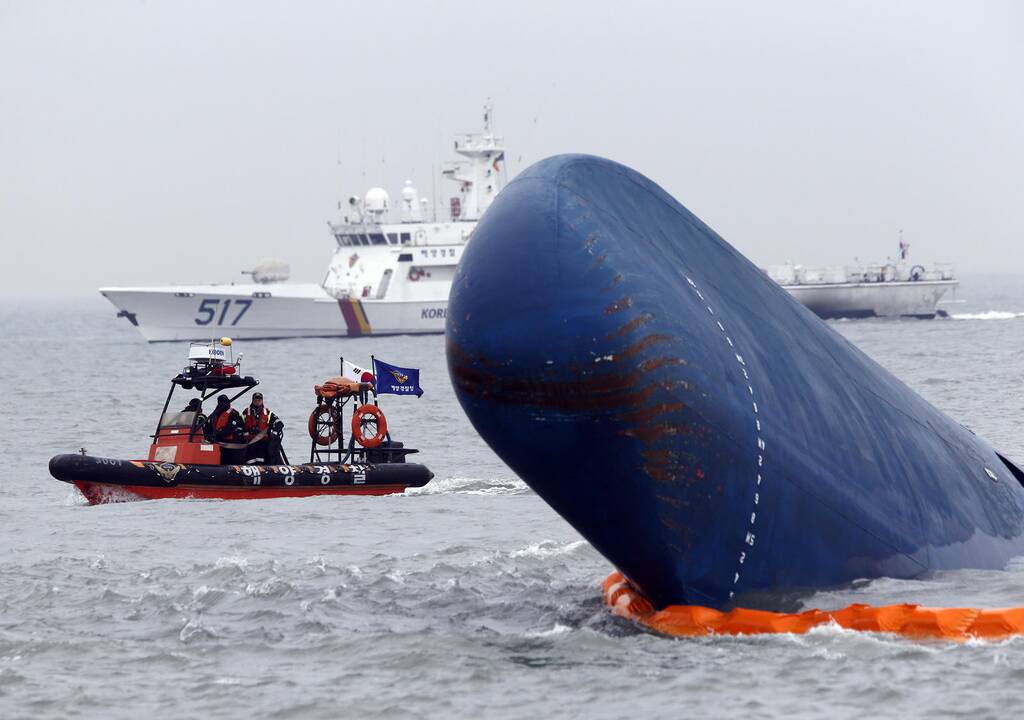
<point>987,315</point>
<point>548,548</point>
<point>471,486</point>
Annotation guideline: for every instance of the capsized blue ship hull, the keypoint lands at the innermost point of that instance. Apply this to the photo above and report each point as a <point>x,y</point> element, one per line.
<point>703,430</point>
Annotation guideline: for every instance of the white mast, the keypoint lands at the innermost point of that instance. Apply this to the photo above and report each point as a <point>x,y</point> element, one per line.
<point>480,175</point>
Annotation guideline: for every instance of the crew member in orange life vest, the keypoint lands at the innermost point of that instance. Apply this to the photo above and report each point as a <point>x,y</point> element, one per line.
<point>258,422</point>
<point>224,423</point>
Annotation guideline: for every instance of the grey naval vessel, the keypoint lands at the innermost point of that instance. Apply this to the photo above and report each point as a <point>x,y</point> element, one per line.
<point>896,288</point>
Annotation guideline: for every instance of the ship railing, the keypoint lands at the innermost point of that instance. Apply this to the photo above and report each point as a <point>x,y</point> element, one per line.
<point>871,273</point>
<point>436,213</point>
<point>478,142</point>
<point>837,275</point>
<point>842,274</point>
<point>904,272</point>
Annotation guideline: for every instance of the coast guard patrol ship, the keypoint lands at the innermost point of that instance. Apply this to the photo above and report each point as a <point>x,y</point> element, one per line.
<point>385,278</point>
<point>894,289</point>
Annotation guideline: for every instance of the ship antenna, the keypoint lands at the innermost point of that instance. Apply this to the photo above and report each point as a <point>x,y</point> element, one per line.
<point>433,192</point>
<point>488,116</point>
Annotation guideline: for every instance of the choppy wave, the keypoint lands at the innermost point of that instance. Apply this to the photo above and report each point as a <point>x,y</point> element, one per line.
<point>987,315</point>
<point>470,595</point>
<point>260,604</point>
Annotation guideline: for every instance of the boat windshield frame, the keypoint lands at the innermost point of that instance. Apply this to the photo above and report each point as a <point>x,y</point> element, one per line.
<point>207,386</point>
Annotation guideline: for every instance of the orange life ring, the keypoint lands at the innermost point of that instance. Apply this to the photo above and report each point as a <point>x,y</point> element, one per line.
<point>314,419</point>
<point>360,418</point>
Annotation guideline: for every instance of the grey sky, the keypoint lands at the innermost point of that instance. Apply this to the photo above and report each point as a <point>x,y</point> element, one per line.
<point>168,142</point>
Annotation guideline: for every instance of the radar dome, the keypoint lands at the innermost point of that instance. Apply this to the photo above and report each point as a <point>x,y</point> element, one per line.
<point>376,200</point>
<point>410,209</point>
<point>408,192</point>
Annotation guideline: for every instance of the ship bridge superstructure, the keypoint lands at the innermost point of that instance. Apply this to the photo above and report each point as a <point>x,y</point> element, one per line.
<point>410,257</point>
<point>481,174</point>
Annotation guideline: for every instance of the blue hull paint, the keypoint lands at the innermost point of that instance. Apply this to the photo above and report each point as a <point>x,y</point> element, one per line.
<point>704,431</point>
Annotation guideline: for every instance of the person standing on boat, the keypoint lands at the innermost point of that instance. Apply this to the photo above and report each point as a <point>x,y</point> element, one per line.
<point>259,420</point>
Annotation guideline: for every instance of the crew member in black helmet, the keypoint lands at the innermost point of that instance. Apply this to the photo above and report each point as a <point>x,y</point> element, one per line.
<point>195,405</point>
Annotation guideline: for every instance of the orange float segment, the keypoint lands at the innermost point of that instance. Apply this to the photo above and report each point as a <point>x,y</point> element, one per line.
<point>939,622</point>
<point>865,618</point>
<point>996,624</point>
<point>686,620</point>
<point>913,621</point>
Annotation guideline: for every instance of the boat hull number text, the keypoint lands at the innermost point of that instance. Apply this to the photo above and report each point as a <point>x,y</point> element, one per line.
<point>222,312</point>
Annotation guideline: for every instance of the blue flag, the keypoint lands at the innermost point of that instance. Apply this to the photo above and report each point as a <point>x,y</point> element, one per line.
<point>394,380</point>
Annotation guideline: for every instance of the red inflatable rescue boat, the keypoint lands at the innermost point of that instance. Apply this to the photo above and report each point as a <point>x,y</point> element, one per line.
<point>187,460</point>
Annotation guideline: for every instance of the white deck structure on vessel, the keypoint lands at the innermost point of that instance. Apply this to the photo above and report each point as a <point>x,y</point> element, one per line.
<point>385,277</point>
<point>893,289</point>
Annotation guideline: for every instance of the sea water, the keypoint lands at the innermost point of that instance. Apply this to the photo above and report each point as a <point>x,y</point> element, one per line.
<point>467,596</point>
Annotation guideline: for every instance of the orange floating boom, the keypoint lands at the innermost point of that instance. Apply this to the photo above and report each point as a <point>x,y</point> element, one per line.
<point>914,621</point>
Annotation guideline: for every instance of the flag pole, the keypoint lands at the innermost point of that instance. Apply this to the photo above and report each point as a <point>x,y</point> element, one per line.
<point>373,366</point>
